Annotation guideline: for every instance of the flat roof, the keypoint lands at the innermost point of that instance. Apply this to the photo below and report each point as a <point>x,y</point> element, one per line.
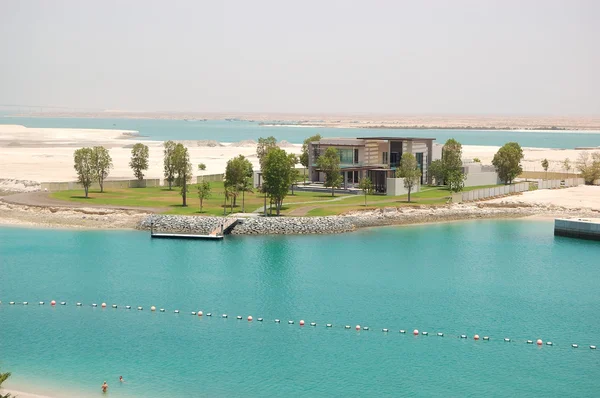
<point>397,138</point>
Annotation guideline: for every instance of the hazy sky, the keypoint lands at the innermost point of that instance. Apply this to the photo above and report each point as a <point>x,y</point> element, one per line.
<point>402,57</point>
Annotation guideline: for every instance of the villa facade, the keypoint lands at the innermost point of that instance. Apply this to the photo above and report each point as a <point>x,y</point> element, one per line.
<point>375,157</point>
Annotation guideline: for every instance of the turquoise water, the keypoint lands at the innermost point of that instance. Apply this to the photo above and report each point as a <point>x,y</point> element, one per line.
<point>498,278</point>
<point>234,131</point>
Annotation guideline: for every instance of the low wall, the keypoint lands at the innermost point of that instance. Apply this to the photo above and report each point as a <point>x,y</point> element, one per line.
<point>554,184</point>
<point>478,179</point>
<point>210,178</point>
<point>112,184</point>
<point>485,193</point>
<point>542,175</point>
<point>395,187</point>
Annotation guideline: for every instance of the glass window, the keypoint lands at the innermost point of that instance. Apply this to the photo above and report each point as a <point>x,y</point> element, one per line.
<point>346,156</point>
<point>384,159</point>
<point>355,155</point>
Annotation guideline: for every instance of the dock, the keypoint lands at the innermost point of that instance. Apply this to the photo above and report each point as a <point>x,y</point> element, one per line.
<point>581,228</point>
<point>216,234</point>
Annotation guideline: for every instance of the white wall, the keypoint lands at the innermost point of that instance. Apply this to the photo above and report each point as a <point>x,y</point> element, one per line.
<point>395,187</point>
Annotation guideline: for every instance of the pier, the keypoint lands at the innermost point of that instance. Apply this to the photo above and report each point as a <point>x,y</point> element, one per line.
<point>216,234</point>
<point>582,228</point>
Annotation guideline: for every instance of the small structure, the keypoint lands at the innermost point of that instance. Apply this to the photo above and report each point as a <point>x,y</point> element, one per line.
<point>477,174</point>
<point>582,228</point>
<point>216,234</point>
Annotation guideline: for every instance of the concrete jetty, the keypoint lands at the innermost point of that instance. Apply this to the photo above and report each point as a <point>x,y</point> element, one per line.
<point>582,228</point>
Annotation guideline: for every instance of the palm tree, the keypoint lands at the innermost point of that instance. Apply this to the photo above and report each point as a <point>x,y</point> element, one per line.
<point>245,186</point>
<point>3,377</point>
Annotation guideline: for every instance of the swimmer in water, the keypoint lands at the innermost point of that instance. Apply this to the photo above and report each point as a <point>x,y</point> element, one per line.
<point>104,387</point>
<point>121,379</point>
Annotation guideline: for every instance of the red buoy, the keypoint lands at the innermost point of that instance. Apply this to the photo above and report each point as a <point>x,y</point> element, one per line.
<point>416,332</point>
<point>539,342</point>
<point>200,313</point>
<point>53,302</point>
<point>301,322</point>
<point>357,327</point>
<point>249,318</point>
<point>476,337</point>
<point>103,305</point>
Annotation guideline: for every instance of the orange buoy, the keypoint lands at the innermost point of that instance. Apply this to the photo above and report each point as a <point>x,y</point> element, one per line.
<point>357,327</point>
<point>200,313</point>
<point>249,318</point>
<point>416,332</point>
<point>53,302</point>
<point>301,322</point>
<point>539,342</point>
<point>476,337</point>
<point>103,305</point>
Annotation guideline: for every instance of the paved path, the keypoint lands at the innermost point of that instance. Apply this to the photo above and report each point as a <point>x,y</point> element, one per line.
<point>336,199</point>
<point>43,199</point>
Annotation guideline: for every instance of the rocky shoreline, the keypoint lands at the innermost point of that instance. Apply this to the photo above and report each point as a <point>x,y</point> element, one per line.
<point>353,221</point>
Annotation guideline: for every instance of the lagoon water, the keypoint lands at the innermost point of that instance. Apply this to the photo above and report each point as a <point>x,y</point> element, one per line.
<point>498,278</point>
<point>233,131</point>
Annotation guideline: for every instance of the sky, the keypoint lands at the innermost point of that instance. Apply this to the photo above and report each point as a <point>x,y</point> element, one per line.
<point>501,57</point>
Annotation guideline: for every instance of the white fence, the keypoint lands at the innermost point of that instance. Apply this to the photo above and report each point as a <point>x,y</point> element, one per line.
<point>485,193</point>
<point>554,184</point>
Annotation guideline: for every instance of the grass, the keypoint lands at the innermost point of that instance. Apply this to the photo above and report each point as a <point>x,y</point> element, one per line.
<point>308,203</point>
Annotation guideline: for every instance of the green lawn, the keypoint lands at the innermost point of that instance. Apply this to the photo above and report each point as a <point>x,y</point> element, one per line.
<point>169,201</point>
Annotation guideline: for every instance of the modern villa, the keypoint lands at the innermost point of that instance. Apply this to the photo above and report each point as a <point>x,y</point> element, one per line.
<point>373,157</point>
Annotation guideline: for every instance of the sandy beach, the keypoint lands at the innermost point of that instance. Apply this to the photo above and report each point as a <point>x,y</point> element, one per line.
<point>46,155</point>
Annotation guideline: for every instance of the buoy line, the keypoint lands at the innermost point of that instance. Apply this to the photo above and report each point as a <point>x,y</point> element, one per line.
<point>416,333</point>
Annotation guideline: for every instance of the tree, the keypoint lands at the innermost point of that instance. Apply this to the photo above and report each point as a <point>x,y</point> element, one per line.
<point>437,171</point>
<point>168,165</point>
<point>245,186</point>
<point>237,173</point>
<point>183,169</point>
<point>201,167</point>
<point>264,146</point>
<point>277,175</point>
<point>545,166</point>
<point>477,160</point>
<point>329,163</point>
<point>366,185</point>
<point>589,166</point>
<point>304,156</point>
<point>452,163</point>
<point>139,160</point>
<point>101,163</point>
<point>507,162</point>
<point>84,167</point>
<point>203,192</point>
<point>3,378</point>
<point>295,173</point>
<point>409,171</point>
<point>566,164</point>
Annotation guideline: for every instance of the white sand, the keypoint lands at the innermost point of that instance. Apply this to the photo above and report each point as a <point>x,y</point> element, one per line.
<point>46,155</point>
<point>583,196</point>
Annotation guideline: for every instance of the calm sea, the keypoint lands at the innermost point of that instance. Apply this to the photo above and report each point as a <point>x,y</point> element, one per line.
<point>495,278</point>
<point>233,131</point>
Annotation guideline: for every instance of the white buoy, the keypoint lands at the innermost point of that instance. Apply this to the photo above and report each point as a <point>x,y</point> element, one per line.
<point>440,334</point>
<point>402,331</point>
<point>329,325</point>
<point>507,339</point>
<point>176,311</point>
<point>290,322</point>
<point>574,345</point>
<point>114,306</point>
<point>463,336</point>
<point>128,307</point>
<point>425,333</point>
<point>79,304</point>
<point>224,316</point>
<point>277,321</point>
<point>11,303</point>
<point>208,314</point>
<point>63,303</point>
<point>162,310</point>
<point>153,308</point>
<point>347,327</point>
<point>592,347</point>
<point>365,328</point>
<point>140,308</point>
<point>193,312</point>
<point>548,343</point>
<point>259,319</point>
<point>529,342</point>
<point>385,330</point>
<point>25,303</point>
<point>41,303</point>
<point>486,338</point>
<point>239,317</point>
<point>94,305</point>
<point>313,324</point>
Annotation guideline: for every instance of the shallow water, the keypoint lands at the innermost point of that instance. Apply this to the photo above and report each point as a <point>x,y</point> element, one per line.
<point>498,278</point>
<point>234,131</point>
